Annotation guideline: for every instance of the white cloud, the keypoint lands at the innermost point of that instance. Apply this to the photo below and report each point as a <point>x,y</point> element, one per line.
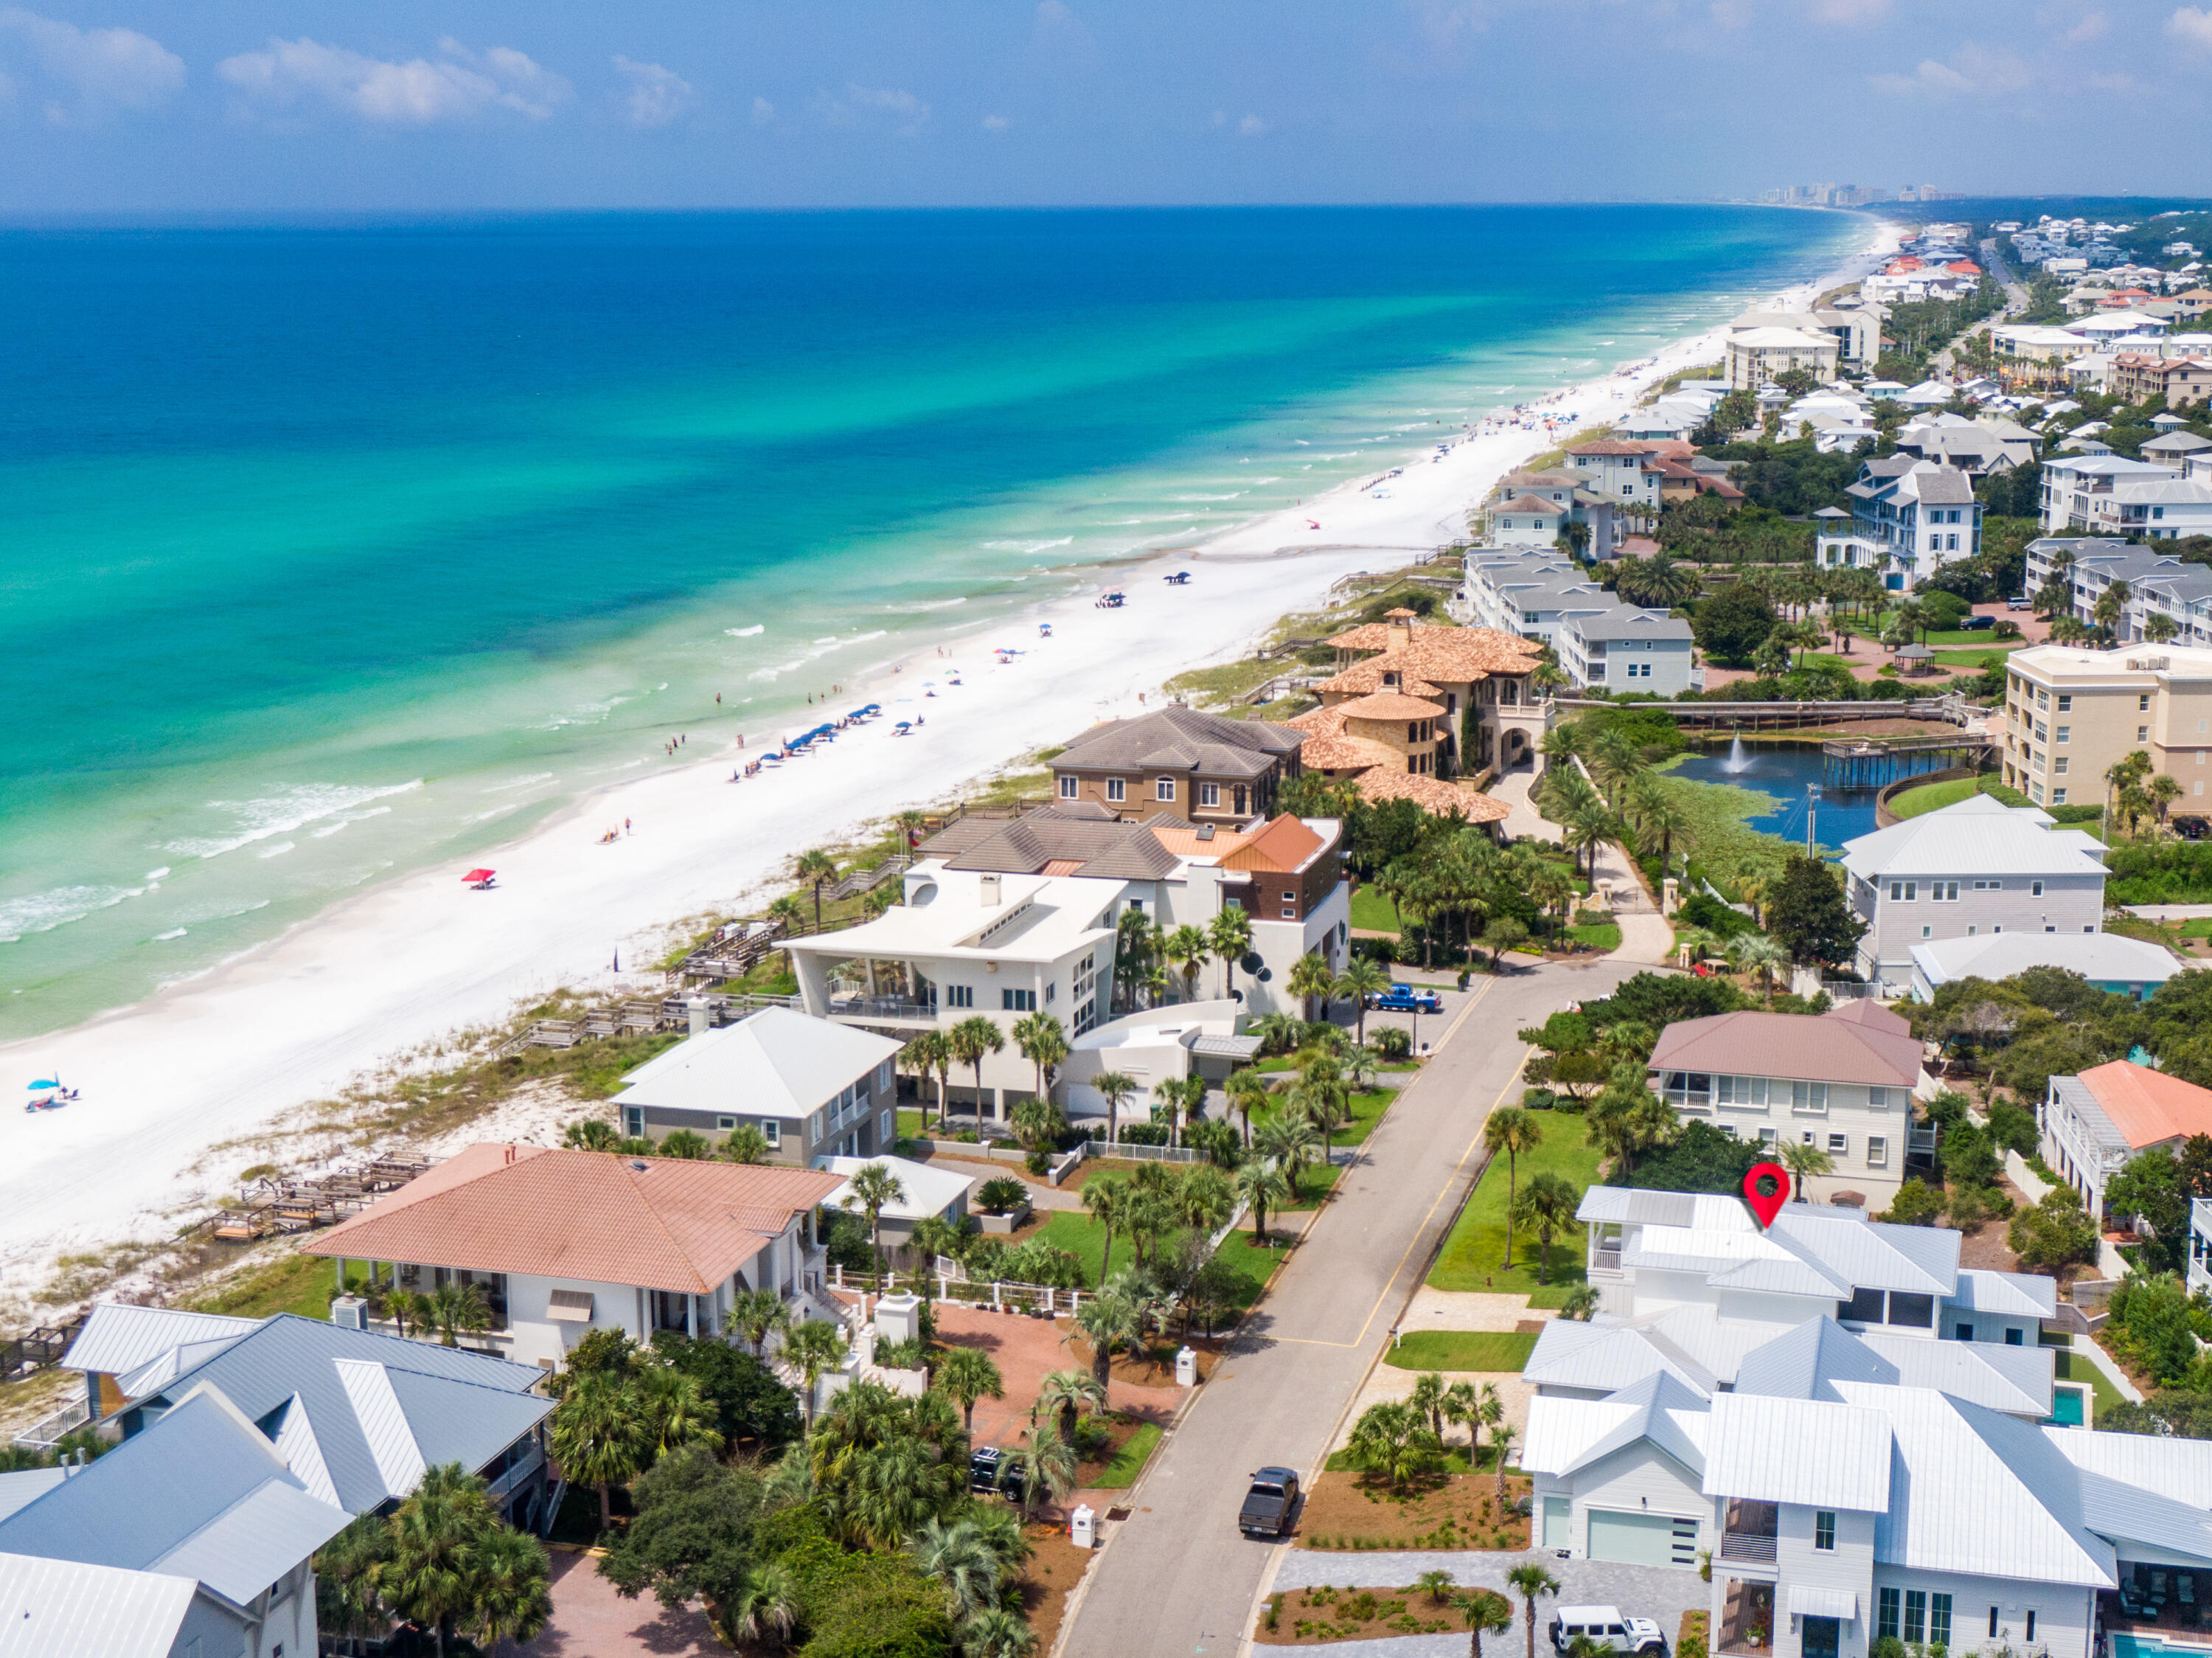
<point>1250,127</point>
<point>763,111</point>
<point>2189,24</point>
<point>457,85</point>
<point>107,69</point>
<point>1973,72</point>
<point>994,124</point>
<point>863,106</point>
<point>657,95</point>
<point>2094,24</point>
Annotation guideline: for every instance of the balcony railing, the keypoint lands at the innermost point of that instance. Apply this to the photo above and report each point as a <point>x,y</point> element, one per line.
<point>1605,1258</point>
<point>1755,1547</point>
<point>881,1007</point>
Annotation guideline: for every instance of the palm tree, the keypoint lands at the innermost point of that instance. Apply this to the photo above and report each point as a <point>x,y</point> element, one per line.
<point>745,1143</point>
<point>2160,628</point>
<point>1391,1439</point>
<point>813,1346</point>
<point>757,1313</point>
<point>456,1309</point>
<point>1038,1124</point>
<point>815,869</point>
<point>874,1188</point>
<point>1502,1435</point>
<point>1063,1392</point>
<point>957,1558</point>
<point>1531,1581</point>
<point>425,1575</point>
<point>510,1595</point>
<point>687,1143</point>
<point>675,1408</point>
<point>593,1134</point>
<point>1487,1611</point>
<point>1310,979</point>
<point>765,1607</point>
<point>2164,791</point>
<point>600,1438</point>
<point>1428,1397</point>
<point>1107,1198</point>
<point>1580,1303</point>
<point>1803,1160</point>
<point>1512,1131</point>
<point>1231,936</point>
<point>996,1632</point>
<point>967,1374</point>
<point>1107,1320</point>
<point>348,1602</point>
<point>1288,1142</point>
<point>1259,1185</point>
<point>1247,1090</point>
<point>1587,828</point>
<point>929,1052</point>
<point>1040,1040</point>
<point>1116,1087</point>
<point>1547,1206</point>
<point>971,1039</point>
<point>910,823</point>
<point>1045,1463</point>
<point>1758,952</point>
<point>1187,948</point>
<point>1437,1585</point>
<point>1362,977</point>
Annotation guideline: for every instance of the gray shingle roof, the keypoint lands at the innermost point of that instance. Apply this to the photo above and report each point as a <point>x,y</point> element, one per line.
<point>1182,739</point>
<point>1108,851</point>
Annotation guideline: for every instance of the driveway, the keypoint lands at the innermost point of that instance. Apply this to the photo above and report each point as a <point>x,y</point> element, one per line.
<point>592,1620</point>
<point>1026,1349</point>
<point>1177,1577</point>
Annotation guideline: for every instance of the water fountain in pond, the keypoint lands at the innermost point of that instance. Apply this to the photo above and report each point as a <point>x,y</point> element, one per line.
<point>1737,761</point>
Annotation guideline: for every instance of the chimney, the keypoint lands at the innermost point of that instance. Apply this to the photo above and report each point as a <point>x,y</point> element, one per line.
<point>701,1021</point>
<point>510,1155</point>
<point>990,888</point>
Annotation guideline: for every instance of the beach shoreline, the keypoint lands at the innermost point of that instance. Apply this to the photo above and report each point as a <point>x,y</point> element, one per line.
<point>398,968</point>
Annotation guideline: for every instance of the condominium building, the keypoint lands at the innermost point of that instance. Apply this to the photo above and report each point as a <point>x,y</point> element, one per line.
<point>1753,357</point>
<point>1599,640</point>
<point>1477,677</point>
<point>2156,584</point>
<point>2072,483</point>
<point>2071,714</point>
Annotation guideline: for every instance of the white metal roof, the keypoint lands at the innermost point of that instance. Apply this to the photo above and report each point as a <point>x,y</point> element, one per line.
<point>1607,1358</point>
<point>1038,919</point>
<point>49,1607</point>
<point>2180,1469</point>
<point>2105,957</point>
<point>26,1486</point>
<point>117,1337</point>
<point>1798,1450</point>
<point>774,1063</point>
<point>929,1190</point>
<point>1955,841</point>
<point>2020,1294</point>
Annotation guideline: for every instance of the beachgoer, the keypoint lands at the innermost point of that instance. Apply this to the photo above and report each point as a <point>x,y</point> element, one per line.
<point>625,826</point>
<point>718,699</point>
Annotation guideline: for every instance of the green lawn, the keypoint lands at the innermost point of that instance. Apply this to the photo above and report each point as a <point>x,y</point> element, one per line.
<point>1461,1349</point>
<point>292,1283</point>
<point>2102,1394</point>
<point>1367,1110</point>
<point>909,1124</point>
<point>1372,912</point>
<point>1129,1462</point>
<point>1933,796</point>
<point>1967,658</point>
<point>1473,1253</point>
<point>1599,935</point>
<point>1316,1181</point>
<point>1076,1233</point>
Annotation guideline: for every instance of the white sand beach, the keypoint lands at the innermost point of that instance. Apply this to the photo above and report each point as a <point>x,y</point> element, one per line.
<point>213,1059</point>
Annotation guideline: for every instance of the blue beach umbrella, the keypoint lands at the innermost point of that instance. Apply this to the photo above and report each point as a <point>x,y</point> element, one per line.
<point>44,1082</point>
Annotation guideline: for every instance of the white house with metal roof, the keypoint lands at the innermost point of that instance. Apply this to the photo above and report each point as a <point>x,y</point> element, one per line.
<point>1627,648</point>
<point>925,1190</point>
<point>813,1088</point>
<point>1841,1501</point>
<point>2123,967</point>
<point>1977,869</point>
<point>192,1540</point>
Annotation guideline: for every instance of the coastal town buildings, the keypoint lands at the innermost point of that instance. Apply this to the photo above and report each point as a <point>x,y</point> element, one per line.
<point>2073,713</point>
<point>562,1242</point>
<point>2093,1122</point>
<point>188,1540</point>
<point>1753,357</point>
<point>2072,485</point>
<point>1599,640</point>
<point>1003,917</point>
<point>2153,583</point>
<point>926,1191</point>
<point>1477,677</point>
<point>1200,767</point>
<point>813,1088</point>
<point>1921,513</point>
<point>1976,867</point>
<point>1843,1081</point>
<point>2110,961</point>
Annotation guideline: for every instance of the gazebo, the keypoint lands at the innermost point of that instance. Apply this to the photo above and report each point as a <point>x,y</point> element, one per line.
<point>1915,659</point>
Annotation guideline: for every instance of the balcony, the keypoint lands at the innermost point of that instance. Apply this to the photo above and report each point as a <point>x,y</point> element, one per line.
<point>1746,1620</point>
<point>881,1007</point>
<point>1747,1534</point>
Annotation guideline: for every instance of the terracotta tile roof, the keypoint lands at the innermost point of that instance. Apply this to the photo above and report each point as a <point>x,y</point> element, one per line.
<point>1399,614</point>
<point>589,1216</point>
<point>1339,754</point>
<point>1363,677</point>
<point>1389,705</point>
<point>1185,844</point>
<point>1444,655</point>
<point>1284,845</point>
<point>1430,795</point>
<point>2148,1107</point>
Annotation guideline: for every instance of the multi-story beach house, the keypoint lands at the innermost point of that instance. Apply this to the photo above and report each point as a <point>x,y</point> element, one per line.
<point>1003,917</point>
<point>813,1088</point>
<point>2094,1122</point>
<point>563,1242</point>
<point>1198,766</point>
<point>2138,377</point>
<point>192,1541</point>
<point>1527,521</point>
<point>1921,513</point>
<point>1976,867</point>
<point>1526,592</point>
<point>1478,675</point>
<point>1628,648</point>
<point>2157,583</point>
<point>2072,483</point>
<point>2071,714</point>
<point>1843,1081</point>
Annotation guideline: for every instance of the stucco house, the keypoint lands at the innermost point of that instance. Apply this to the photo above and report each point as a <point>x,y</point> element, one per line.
<point>2093,1122</point>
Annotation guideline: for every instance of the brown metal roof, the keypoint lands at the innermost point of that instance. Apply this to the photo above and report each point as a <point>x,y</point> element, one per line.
<point>1858,1042</point>
<point>670,1223</point>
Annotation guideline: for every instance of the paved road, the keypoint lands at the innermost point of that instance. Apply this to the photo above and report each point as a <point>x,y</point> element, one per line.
<point>1177,1577</point>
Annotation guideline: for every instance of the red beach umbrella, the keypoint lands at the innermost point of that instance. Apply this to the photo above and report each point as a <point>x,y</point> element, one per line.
<point>477,875</point>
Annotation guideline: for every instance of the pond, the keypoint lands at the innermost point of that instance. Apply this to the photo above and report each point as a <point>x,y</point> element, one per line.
<point>1786,775</point>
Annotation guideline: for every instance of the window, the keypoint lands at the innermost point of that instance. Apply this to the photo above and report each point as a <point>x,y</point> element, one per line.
<point>1915,1616</point>
<point>1808,1096</point>
<point>1767,1138</point>
<point>886,1129</point>
<point>2035,889</point>
<point>1209,794</point>
<point>1904,891</point>
<point>1927,932</point>
<point>1913,1312</point>
<point>1824,1529</point>
<point>1989,885</point>
<point>2031,1623</point>
<point>772,1132</point>
<point>1289,912</point>
<point>1068,788</point>
<point>1885,1619</point>
<point>2143,734</point>
<point>2061,733</point>
<point>1877,1151</point>
<point>1878,1099</point>
<point>2143,702</point>
<point>2042,732</point>
<point>725,1124</point>
<point>959,995</point>
<point>634,1122</point>
<point>1943,892</point>
<point>2059,770</point>
<point>2058,795</point>
<point>1839,1145</point>
<point>2014,1338</point>
<point>1740,1091</point>
<point>815,1125</point>
<point>1993,1610</point>
<point>1689,1088</point>
<point>1049,990</point>
<point>2066,704</point>
<point>1017,1001</point>
<point>1864,1308</point>
<point>1117,788</point>
<point>1939,1620</point>
<point>1164,789</point>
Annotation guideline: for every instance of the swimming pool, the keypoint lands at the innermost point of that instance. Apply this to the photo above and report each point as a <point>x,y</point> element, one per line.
<point>2138,1646</point>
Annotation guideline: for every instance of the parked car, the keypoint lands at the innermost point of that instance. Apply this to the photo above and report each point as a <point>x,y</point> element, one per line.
<point>1404,998</point>
<point>2019,602</point>
<point>1977,623</point>
<point>1270,1504</point>
<point>1608,1628</point>
<point>990,1469</point>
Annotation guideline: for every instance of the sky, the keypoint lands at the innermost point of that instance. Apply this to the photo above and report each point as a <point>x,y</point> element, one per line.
<point>246,105</point>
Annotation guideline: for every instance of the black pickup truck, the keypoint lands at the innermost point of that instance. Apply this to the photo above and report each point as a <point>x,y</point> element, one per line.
<point>1270,1504</point>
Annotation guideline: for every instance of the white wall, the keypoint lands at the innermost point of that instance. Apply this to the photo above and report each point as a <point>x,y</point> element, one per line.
<point>1637,1478</point>
<point>2064,1614</point>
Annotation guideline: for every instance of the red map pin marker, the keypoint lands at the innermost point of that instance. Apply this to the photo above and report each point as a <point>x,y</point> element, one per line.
<point>1766,1188</point>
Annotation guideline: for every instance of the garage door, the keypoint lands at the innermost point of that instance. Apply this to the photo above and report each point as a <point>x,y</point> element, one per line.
<point>1643,1540</point>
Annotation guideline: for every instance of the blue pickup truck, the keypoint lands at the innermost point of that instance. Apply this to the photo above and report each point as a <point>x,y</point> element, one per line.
<point>1404,998</point>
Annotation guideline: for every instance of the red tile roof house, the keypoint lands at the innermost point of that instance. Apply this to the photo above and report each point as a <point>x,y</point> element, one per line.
<point>563,1242</point>
<point>1843,1081</point>
<point>2094,1123</point>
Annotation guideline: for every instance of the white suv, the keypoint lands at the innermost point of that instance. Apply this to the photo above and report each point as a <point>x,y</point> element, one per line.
<point>1606,1626</point>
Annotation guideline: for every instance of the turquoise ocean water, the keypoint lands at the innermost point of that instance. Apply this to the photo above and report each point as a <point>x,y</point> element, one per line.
<point>327,549</point>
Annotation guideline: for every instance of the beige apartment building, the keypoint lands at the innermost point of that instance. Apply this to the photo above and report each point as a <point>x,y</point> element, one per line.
<point>2071,714</point>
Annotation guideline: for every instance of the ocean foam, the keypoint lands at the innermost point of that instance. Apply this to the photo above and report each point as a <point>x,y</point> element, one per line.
<point>746,632</point>
<point>280,813</point>
<point>44,912</point>
<point>174,932</point>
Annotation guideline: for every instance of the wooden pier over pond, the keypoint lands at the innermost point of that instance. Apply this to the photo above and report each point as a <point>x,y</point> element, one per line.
<point>1848,764</point>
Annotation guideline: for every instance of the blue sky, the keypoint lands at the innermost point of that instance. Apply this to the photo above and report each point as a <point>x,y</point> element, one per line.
<point>124,105</point>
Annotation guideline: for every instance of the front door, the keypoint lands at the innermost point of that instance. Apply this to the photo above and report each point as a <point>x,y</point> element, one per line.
<point>1820,1635</point>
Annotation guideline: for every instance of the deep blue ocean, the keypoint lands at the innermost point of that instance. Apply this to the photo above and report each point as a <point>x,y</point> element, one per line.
<point>327,549</point>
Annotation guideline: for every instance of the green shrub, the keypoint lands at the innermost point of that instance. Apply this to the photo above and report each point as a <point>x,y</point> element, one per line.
<point>1001,1195</point>
<point>1144,1134</point>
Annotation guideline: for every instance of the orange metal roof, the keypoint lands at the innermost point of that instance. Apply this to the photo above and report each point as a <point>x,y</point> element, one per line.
<point>2148,1107</point>
<point>659,1222</point>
